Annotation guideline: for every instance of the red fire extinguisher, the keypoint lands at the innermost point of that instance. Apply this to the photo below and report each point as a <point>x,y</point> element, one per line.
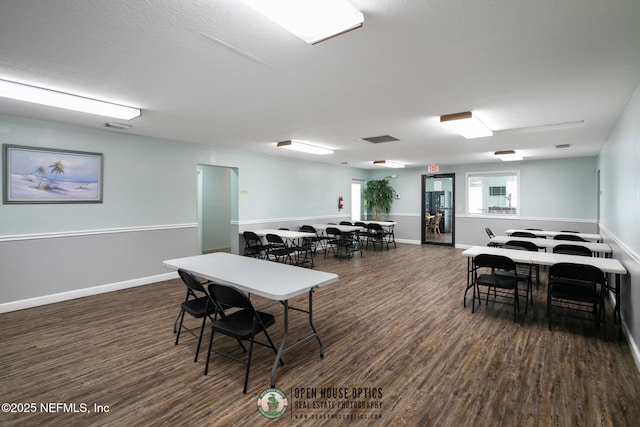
<point>340,203</point>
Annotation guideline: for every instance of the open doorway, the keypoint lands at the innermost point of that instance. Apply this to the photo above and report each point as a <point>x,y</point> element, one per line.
<point>356,200</point>
<point>217,209</point>
<point>438,209</point>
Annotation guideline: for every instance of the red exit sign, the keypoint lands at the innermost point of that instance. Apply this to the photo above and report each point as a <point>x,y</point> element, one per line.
<point>434,168</point>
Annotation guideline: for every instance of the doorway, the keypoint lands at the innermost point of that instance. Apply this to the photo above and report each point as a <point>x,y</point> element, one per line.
<point>356,200</point>
<point>438,209</point>
<point>217,209</point>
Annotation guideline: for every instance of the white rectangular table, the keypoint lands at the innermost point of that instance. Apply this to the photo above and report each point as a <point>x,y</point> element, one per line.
<point>599,248</point>
<point>274,281</point>
<point>291,238</point>
<point>551,234</point>
<point>607,265</point>
<point>285,234</point>
<point>343,228</point>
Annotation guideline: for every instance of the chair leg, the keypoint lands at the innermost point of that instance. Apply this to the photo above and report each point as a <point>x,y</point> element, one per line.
<point>180,326</point>
<point>549,309</point>
<point>175,322</point>
<point>246,375</point>
<point>204,320</point>
<point>206,365</point>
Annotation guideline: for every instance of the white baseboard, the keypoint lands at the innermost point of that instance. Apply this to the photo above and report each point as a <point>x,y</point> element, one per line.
<point>78,293</point>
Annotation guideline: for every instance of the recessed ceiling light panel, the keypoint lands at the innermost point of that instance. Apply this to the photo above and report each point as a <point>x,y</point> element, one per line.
<point>67,101</point>
<point>311,20</point>
<point>508,155</point>
<point>466,124</point>
<point>389,164</point>
<point>304,147</point>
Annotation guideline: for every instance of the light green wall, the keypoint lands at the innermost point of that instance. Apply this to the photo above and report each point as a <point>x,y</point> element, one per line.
<point>620,177</point>
<point>150,182</point>
<point>558,188</point>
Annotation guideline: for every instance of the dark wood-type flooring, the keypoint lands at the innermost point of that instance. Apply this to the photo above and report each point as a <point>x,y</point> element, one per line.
<point>393,326</point>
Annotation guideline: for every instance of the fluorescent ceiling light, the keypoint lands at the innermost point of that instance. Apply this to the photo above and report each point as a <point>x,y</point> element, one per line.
<point>52,98</point>
<point>388,164</point>
<point>311,20</point>
<point>305,148</point>
<point>466,124</point>
<point>508,155</point>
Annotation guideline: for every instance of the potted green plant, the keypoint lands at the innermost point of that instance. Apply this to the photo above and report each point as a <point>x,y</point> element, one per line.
<point>378,196</point>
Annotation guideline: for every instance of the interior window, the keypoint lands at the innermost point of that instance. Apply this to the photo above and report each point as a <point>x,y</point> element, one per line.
<point>493,193</point>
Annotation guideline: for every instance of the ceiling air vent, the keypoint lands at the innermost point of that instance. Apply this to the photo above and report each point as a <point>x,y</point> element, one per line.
<point>380,139</point>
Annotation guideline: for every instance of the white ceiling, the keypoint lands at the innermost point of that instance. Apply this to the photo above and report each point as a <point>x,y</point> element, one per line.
<point>216,72</point>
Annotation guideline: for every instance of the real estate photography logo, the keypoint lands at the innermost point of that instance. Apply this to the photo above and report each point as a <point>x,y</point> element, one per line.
<point>272,403</point>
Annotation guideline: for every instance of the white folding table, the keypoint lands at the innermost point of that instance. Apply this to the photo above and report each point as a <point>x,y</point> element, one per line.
<point>551,234</point>
<point>275,281</point>
<point>285,234</point>
<point>343,228</point>
<point>599,248</point>
<point>293,237</point>
<point>607,265</point>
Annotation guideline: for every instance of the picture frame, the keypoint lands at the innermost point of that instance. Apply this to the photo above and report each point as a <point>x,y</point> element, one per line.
<point>51,175</point>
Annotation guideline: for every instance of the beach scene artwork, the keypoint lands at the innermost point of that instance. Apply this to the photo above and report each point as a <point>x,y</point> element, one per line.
<point>36,175</point>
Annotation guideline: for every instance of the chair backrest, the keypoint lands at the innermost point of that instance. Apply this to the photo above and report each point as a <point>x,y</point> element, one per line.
<point>583,272</point>
<point>308,229</point>
<point>523,234</point>
<point>374,228</point>
<point>227,296</point>
<point>499,262</point>
<point>345,223</point>
<point>250,237</point>
<point>360,224</point>
<point>571,237</point>
<point>530,246</point>
<point>572,250</point>
<point>333,231</point>
<point>274,239</point>
<point>489,232</point>
<point>190,280</point>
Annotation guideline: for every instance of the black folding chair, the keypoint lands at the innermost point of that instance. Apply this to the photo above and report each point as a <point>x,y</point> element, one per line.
<point>243,325</point>
<point>197,303</point>
<point>569,249</point>
<point>253,246</point>
<point>574,289</point>
<point>502,275</point>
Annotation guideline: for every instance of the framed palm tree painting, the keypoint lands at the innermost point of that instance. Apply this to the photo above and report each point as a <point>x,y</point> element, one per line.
<point>48,175</point>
